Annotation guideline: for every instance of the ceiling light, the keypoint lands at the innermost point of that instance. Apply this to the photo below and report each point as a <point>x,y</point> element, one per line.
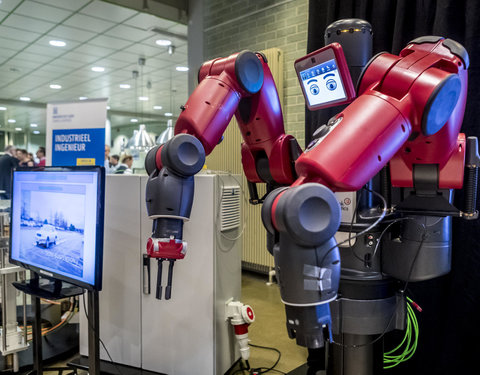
<point>34,125</point>
<point>108,107</point>
<point>82,98</point>
<point>24,98</point>
<point>124,86</point>
<point>133,120</point>
<point>57,43</point>
<point>143,98</point>
<point>55,87</point>
<point>12,121</point>
<point>163,42</point>
<point>36,132</point>
<point>98,69</point>
<point>18,129</point>
<point>157,107</point>
<point>182,68</point>
<point>3,108</point>
<point>168,114</point>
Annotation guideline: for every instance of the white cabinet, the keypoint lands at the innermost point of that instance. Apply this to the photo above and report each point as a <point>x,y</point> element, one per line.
<point>187,334</point>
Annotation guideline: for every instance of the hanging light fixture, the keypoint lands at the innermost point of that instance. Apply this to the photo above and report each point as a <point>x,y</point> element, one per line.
<point>141,140</point>
<point>167,134</point>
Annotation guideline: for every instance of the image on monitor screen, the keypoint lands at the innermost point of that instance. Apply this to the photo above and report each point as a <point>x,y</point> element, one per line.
<point>52,227</point>
<point>57,223</point>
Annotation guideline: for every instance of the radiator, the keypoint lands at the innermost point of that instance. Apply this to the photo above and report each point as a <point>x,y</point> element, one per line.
<point>226,158</point>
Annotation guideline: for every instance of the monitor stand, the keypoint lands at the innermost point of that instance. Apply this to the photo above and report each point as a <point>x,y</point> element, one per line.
<point>53,289</point>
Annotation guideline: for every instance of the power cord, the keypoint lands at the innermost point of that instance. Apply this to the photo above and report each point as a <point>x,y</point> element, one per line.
<point>262,370</point>
<point>99,339</point>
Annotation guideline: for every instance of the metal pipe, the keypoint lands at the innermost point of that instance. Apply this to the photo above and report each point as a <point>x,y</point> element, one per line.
<point>4,313</point>
<point>16,366</point>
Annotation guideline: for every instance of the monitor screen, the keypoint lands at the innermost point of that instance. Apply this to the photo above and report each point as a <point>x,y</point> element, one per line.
<point>322,83</point>
<point>57,223</point>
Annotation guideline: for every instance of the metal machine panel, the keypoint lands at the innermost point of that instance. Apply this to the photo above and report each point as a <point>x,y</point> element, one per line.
<point>120,298</point>
<point>179,335</point>
<point>188,333</point>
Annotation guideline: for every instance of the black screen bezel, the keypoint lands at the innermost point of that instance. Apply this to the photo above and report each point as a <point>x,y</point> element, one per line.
<point>99,228</point>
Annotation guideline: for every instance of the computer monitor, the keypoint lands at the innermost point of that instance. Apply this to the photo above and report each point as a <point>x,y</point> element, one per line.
<point>57,220</point>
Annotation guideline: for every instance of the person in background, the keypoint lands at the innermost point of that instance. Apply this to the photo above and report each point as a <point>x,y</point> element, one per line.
<point>41,156</point>
<point>30,156</point>
<point>106,162</point>
<point>8,161</point>
<point>24,159</point>
<point>126,165</point>
<point>114,160</point>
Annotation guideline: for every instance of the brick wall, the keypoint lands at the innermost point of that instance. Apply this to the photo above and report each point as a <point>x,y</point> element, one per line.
<point>235,25</point>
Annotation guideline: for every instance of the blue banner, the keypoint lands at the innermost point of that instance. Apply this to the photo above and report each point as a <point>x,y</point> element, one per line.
<point>78,147</point>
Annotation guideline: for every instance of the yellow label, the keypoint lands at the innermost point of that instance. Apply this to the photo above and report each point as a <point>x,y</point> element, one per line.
<point>85,161</point>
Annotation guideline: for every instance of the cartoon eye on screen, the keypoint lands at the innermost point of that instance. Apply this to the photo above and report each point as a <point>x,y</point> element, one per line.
<point>324,77</point>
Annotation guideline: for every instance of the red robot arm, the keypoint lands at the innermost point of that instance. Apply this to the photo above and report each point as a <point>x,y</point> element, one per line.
<point>409,111</point>
<point>240,84</point>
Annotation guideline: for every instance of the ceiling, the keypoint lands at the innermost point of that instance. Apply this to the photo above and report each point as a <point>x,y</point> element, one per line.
<point>97,34</point>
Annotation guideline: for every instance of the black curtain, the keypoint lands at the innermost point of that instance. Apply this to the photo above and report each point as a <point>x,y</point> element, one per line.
<point>450,322</point>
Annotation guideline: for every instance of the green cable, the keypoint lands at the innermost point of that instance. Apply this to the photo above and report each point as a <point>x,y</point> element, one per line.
<point>409,348</point>
<point>410,340</point>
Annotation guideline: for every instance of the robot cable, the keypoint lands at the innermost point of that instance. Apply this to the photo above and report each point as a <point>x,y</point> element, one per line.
<point>373,225</point>
<point>424,236</point>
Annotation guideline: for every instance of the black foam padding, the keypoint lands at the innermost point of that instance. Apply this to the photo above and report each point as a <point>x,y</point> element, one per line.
<point>249,71</point>
<point>183,154</point>
<point>309,213</point>
<point>426,39</point>
<point>458,50</point>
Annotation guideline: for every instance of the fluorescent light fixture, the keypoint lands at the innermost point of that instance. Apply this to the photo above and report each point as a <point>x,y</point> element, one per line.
<point>133,120</point>
<point>34,125</point>
<point>157,107</point>
<point>3,108</point>
<point>57,43</point>
<point>108,107</point>
<point>24,98</point>
<point>98,69</point>
<point>82,98</point>
<point>143,98</point>
<point>182,68</point>
<point>55,86</point>
<point>125,86</point>
<point>36,132</point>
<point>164,42</point>
<point>12,121</point>
<point>168,114</point>
<point>18,129</point>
